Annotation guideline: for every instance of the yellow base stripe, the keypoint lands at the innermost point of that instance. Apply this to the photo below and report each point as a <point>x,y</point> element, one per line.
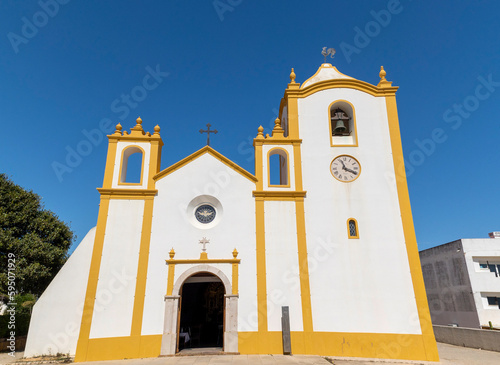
<point>368,345</point>
<point>116,348</point>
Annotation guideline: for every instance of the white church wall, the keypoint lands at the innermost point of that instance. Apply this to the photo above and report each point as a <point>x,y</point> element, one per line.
<point>282,264</point>
<point>146,146</point>
<point>357,285</point>
<point>57,314</point>
<point>113,307</point>
<point>203,179</point>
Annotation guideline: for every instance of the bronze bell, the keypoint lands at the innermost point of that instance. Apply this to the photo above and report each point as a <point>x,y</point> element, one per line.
<point>339,127</point>
<point>340,118</point>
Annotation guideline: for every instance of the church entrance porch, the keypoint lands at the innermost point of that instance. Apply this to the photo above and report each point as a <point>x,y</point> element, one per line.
<point>201,322</point>
<point>200,310</point>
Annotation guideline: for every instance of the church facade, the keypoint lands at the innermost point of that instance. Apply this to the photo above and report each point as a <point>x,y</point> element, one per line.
<point>206,254</point>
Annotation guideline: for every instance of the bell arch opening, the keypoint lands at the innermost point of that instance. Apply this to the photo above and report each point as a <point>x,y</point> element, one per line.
<point>342,124</point>
<point>132,165</point>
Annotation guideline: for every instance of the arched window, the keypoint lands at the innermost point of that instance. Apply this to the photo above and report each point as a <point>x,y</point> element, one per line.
<point>352,228</point>
<point>132,165</point>
<point>278,167</point>
<point>342,124</point>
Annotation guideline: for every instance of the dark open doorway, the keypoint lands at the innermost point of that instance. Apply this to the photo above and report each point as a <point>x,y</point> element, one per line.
<point>202,312</point>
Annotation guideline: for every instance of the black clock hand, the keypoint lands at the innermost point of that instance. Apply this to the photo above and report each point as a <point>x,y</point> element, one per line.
<point>351,171</point>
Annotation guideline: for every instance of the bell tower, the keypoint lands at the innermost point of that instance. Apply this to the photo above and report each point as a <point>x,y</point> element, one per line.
<point>121,245</point>
<point>122,145</point>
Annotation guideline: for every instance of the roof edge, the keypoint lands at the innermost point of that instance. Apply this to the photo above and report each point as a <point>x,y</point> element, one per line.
<point>202,151</point>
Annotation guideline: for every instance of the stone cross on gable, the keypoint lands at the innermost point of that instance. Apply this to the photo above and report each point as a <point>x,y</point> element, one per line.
<point>208,131</point>
<point>203,242</point>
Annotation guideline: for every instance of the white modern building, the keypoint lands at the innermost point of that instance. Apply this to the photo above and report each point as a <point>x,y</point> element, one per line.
<point>462,281</point>
<point>204,253</point>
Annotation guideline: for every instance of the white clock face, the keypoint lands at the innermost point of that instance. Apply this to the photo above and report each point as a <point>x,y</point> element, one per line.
<point>345,168</point>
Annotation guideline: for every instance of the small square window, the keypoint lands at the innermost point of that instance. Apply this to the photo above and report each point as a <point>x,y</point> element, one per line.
<point>492,300</point>
<point>483,266</point>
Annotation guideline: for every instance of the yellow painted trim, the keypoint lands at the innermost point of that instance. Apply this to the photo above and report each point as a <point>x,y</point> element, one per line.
<point>95,264</point>
<point>349,228</point>
<point>287,157</point>
<point>261,265</point>
<point>345,181</point>
<point>341,344</point>
<point>110,164</point>
<point>170,280</point>
<point>195,155</point>
<point>147,137</point>
<point>259,166</point>
<point>202,261</point>
<point>355,144</point>
<point>130,347</point>
<point>128,193</point>
<point>120,176</point>
<point>142,269</point>
<point>409,231</point>
<point>269,195</point>
<point>154,162</point>
<point>277,141</point>
<point>342,83</point>
<point>293,115</point>
<point>234,279</point>
<point>305,291</point>
<point>297,164</point>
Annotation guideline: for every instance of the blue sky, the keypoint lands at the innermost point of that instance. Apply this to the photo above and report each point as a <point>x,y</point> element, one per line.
<point>67,66</point>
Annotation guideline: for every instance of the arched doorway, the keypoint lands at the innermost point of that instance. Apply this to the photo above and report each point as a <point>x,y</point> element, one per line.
<point>201,320</point>
<point>171,325</point>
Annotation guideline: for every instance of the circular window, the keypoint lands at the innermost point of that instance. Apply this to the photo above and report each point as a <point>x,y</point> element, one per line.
<point>205,213</point>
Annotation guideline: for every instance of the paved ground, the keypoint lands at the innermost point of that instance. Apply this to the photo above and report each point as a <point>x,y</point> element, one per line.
<point>449,354</point>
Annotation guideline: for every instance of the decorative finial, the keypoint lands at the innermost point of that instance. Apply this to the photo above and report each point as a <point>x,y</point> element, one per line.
<point>328,51</point>
<point>277,124</point>
<point>235,253</point>
<point>260,134</point>
<point>118,129</point>
<point>382,74</point>
<point>137,130</point>
<point>292,77</point>
<point>157,129</point>
<point>277,130</point>
<point>171,253</point>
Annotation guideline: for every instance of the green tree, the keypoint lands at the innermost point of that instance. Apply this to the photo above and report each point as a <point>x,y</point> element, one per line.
<point>36,236</point>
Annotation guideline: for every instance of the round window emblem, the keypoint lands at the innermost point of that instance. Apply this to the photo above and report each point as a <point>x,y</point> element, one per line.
<point>205,213</point>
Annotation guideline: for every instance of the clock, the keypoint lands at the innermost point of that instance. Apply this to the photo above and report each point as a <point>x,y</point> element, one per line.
<point>345,168</point>
<point>205,213</point>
